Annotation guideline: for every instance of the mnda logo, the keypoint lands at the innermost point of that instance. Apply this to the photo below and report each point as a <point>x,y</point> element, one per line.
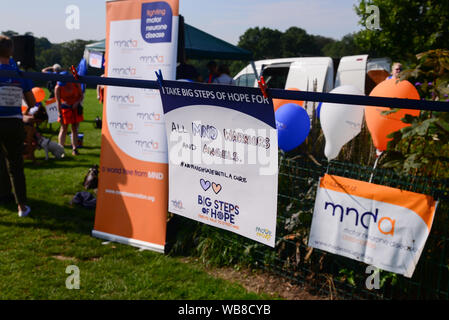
<point>124,126</point>
<point>126,43</point>
<point>147,144</point>
<point>152,59</point>
<point>128,99</point>
<point>129,71</point>
<point>146,116</point>
<point>385,225</point>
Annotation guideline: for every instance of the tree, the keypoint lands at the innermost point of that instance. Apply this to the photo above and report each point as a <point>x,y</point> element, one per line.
<point>264,43</point>
<point>296,43</point>
<point>345,47</point>
<point>72,52</point>
<point>322,42</point>
<point>10,33</point>
<point>407,27</point>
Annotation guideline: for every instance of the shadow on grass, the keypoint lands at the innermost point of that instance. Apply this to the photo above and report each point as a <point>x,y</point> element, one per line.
<point>89,148</point>
<point>59,164</point>
<point>53,217</point>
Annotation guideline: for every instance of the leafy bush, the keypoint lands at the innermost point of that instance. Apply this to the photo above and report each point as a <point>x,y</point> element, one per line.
<point>422,148</point>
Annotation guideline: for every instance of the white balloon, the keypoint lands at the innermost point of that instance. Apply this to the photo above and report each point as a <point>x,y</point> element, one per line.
<point>340,122</point>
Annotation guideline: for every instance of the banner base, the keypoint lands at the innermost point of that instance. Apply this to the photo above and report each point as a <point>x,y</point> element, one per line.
<point>129,241</point>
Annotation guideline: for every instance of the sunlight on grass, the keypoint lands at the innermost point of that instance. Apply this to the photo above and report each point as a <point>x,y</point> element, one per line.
<point>35,251</point>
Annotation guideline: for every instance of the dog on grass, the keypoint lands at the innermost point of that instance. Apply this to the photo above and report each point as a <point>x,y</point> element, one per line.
<point>50,146</point>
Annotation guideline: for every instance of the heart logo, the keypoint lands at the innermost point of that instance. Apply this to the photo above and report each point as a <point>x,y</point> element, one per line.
<point>216,187</point>
<point>205,184</point>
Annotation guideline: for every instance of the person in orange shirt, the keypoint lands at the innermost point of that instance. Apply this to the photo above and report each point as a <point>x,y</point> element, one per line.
<point>69,97</point>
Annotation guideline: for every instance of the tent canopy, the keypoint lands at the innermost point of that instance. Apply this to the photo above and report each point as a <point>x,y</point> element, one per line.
<point>201,45</point>
<point>198,45</point>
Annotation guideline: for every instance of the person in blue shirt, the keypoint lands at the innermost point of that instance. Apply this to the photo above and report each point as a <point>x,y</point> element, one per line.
<point>12,134</point>
<point>395,71</point>
<point>56,69</point>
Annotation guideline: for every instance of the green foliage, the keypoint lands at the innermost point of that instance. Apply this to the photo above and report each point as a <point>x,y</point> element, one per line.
<point>407,27</point>
<point>423,147</point>
<point>345,47</point>
<point>266,43</point>
<point>348,276</point>
<point>47,53</point>
<point>9,33</point>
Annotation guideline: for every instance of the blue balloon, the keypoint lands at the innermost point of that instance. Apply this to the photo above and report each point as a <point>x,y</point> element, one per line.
<point>318,110</point>
<point>293,125</point>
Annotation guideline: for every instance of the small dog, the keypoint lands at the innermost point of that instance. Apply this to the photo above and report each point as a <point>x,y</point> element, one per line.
<point>48,145</point>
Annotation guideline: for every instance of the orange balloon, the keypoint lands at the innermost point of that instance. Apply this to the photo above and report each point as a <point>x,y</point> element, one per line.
<point>380,125</point>
<point>39,94</point>
<point>277,103</point>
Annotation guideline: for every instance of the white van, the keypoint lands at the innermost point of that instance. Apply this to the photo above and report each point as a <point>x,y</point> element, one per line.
<point>317,73</point>
<point>305,74</point>
<point>290,72</point>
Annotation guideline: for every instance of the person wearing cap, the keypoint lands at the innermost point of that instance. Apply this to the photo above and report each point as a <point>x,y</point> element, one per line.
<point>12,133</point>
<point>56,69</point>
<point>68,99</point>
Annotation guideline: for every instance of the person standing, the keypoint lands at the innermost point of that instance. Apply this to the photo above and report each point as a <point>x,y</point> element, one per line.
<point>100,92</point>
<point>395,70</point>
<point>12,133</point>
<point>223,76</point>
<point>56,69</point>
<point>213,72</point>
<point>69,96</point>
<point>186,71</point>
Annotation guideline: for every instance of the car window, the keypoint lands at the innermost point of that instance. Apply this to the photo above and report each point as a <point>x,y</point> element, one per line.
<point>276,76</point>
<point>246,80</point>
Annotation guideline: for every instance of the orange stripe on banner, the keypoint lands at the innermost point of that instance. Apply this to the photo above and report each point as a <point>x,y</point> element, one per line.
<point>131,9</point>
<point>125,205</point>
<point>119,210</point>
<point>422,204</point>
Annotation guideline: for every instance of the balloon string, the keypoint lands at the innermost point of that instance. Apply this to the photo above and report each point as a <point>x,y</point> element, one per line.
<point>375,165</point>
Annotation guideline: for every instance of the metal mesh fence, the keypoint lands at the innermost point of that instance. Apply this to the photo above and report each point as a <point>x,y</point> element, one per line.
<point>322,273</point>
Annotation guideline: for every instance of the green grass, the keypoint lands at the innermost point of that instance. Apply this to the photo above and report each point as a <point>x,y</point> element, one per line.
<point>35,251</point>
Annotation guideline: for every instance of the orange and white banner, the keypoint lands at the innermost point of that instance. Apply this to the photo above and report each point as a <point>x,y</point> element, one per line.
<point>378,225</point>
<point>141,37</point>
<point>52,110</point>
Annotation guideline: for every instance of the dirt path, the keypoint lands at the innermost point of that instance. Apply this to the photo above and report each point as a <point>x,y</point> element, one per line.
<point>260,282</point>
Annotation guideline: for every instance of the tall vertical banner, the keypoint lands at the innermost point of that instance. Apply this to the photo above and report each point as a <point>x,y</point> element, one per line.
<point>381,226</point>
<point>223,157</point>
<point>141,37</point>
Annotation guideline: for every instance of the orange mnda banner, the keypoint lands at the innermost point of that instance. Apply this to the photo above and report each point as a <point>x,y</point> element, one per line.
<point>132,198</point>
<point>378,225</point>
